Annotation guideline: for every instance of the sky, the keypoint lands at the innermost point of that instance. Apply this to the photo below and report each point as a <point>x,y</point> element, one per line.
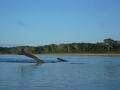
<point>44,22</point>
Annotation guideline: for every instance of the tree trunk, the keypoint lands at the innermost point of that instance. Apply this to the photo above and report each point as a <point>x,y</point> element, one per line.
<point>30,55</point>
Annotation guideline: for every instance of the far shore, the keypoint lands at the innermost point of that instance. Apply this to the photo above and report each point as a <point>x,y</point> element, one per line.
<point>75,54</point>
<point>92,54</point>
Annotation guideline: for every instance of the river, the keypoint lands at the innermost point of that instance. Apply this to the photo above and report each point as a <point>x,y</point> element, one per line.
<point>18,72</point>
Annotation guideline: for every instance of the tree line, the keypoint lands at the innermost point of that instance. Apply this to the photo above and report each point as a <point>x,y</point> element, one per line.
<point>107,46</point>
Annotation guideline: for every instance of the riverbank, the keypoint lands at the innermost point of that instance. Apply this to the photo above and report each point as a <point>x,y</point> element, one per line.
<point>92,54</point>
<point>74,54</point>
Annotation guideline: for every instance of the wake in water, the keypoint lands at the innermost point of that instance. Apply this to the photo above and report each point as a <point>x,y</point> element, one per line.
<point>10,60</point>
<point>15,60</point>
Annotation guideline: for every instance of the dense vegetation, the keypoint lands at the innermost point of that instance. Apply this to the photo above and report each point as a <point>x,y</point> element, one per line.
<point>107,46</point>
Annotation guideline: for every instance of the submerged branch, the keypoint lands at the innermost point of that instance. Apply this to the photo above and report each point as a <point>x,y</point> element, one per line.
<point>30,55</point>
<point>37,59</point>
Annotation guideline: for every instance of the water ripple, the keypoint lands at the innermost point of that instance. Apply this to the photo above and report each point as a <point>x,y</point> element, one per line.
<point>10,60</point>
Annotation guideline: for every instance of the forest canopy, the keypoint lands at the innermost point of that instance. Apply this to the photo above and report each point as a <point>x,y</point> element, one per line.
<point>107,46</point>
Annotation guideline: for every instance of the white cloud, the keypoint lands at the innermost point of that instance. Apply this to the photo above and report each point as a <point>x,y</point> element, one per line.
<point>30,44</point>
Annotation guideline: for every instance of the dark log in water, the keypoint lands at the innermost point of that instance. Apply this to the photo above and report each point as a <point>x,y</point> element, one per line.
<point>30,55</point>
<point>62,59</point>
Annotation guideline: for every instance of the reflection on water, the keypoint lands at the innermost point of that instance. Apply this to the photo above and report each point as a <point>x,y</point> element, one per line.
<point>27,74</point>
<point>80,73</point>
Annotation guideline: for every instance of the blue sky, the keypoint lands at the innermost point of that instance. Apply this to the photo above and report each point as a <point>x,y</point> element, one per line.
<point>44,22</point>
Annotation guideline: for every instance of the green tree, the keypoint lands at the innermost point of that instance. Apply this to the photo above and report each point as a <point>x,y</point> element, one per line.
<point>109,43</point>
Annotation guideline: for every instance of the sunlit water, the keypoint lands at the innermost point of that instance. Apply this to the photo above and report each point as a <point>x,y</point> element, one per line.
<point>18,72</point>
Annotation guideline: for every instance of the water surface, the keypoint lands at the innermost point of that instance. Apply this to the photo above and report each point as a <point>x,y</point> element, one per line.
<point>18,72</point>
